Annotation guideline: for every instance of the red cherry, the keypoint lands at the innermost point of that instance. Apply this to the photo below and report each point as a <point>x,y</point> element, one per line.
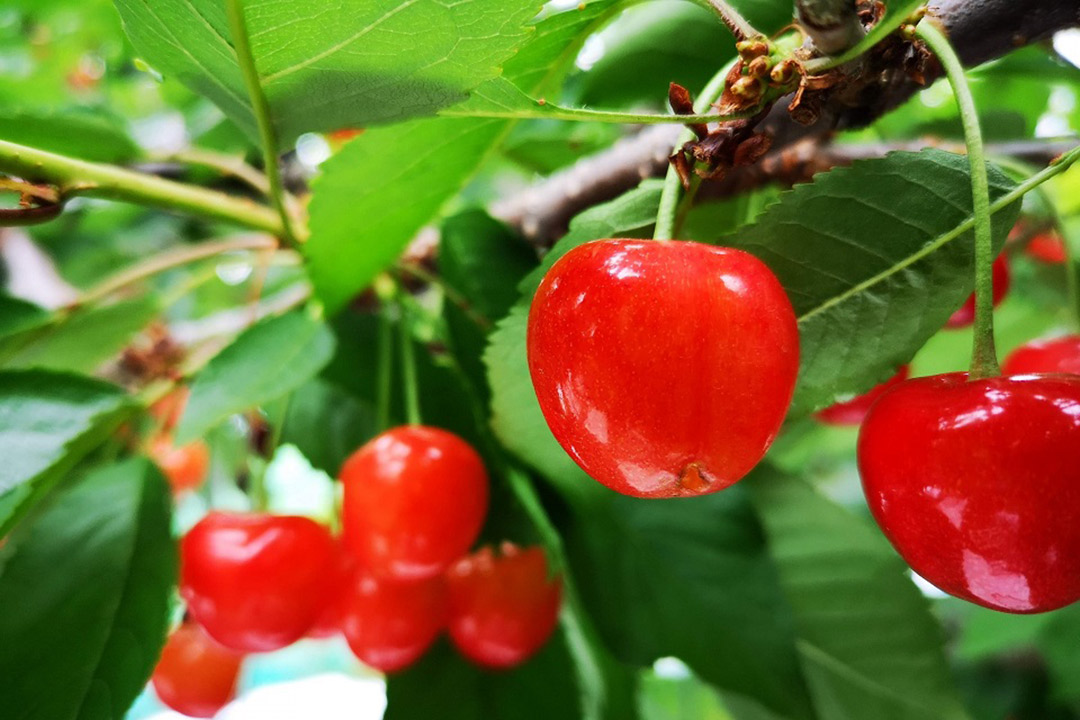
<point>1053,355</point>
<point>184,466</point>
<point>256,582</point>
<point>502,608</point>
<point>662,368</point>
<point>389,624</point>
<point>1047,247</point>
<point>966,314</point>
<point>415,500</point>
<point>854,411</point>
<point>328,624</point>
<point>977,485</point>
<point>195,676</point>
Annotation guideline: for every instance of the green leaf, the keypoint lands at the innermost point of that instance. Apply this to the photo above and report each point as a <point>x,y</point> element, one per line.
<point>1058,644</point>
<point>868,642</point>
<point>690,578</point>
<point>327,424</point>
<point>85,598</point>
<point>329,65</point>
<point>17,315</point>
<point>384,186</point>
<point>874,261</point>
<point>48,422</point>
<point>82,341</point>
<point>267,361</point>
<point>76,132</point>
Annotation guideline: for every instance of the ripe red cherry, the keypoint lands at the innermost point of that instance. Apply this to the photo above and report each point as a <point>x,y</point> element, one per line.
<point>184,466</point>
<point>503,608</point>
<point>1047,247</point>
<point>1054,355</point>
<point>966,314</point>
<point>662,368</point>
<point>389,624</point>
<point>415,500</point>
<point>256,582</point>
<point>977,485</point>
<point>853,412</point>
<point>195,676</point>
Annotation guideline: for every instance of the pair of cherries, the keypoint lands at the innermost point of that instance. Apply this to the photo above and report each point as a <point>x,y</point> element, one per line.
<point>665,369</point>
<point>415,500</point>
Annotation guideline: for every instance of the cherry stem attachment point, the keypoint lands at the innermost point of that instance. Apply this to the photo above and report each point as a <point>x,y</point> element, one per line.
<point>984,361</point>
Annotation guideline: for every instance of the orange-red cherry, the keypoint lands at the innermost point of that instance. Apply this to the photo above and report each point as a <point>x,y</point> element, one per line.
<point>965,315</point>
<point>256,582</point>
<point>853,412</point>
<point>390,624</point>
<point>184,466</point>
<point>415,500</point>
<point>663,369</point>
<point>1052,355</point>
<point>977,485</point>
<point>503,607</point>
<point>1047,247</point>
<point>195,676</point>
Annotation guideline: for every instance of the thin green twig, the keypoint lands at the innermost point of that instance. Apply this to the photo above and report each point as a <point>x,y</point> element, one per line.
<point>408,365</point>
<point>984,362</point>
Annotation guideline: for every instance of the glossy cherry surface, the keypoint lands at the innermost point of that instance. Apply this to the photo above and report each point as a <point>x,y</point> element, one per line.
<point>504,607</point>
<point>328,623</point>
<point>256,582</point>
<point>184,466</point>
<point>195,676</point>
<point>389,624</point>
<point>415,500</point>
<point>1052,355</point>
<point>977,485</point>
<point>966,314</point>
<point>663,368</point>
<point>1047,247</point>
<point>853,412</point>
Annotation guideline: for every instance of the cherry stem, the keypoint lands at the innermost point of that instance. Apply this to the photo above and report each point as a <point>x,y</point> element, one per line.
<point>384,368</point>
<point>736,23</point>
<point>668,212</point>
<point>408,363</point>
<point>984,362</point>
<point>261,109</point>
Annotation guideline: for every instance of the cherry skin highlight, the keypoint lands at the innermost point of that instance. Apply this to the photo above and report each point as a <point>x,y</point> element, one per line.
<point>415,500</point>
<point>965,315</point>
<point>390,624</point>
<point>1053,355</point>
<point>256,582</point>
<point>977,485</point>
<point>853,412</point>
<point>663,368</point>
<point>503,608</point>
<point>195,676</point>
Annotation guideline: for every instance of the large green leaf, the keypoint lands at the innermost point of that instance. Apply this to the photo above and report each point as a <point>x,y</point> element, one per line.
<point>85,598</point>
<point>869,645</point>
<point>327,65</point>
<point>690,578</point>
<point>265,362</point>
<point>76,132</point>
<point>48,421</point>
<point>874,263</point>
<point>387,184</point>
<point>82,341</point>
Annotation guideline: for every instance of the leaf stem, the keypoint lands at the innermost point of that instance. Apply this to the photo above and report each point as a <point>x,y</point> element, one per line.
<point>229,165</point>
<point>736,23</point>
<point>408,364</point>
<point>548,111</point>
<point>261,108</point>
<point>384,369</point>
<point>984,362</point>
<point>79,177</point>
<point>666,214</point>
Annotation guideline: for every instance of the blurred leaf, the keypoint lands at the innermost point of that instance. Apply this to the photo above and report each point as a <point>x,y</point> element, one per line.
<point>75,132</point>
<point>868,643</point>
<point>1058,642</point>
<point>873,262</point>
<point>329,65</point>
<point>692,579</point>
<point>677,698</point>
<point>327,424</point>
<point>987,632</point>
<point>82,341</point>
<point>267,361</point>
<point>17,315</point>
<point>85,596</point>
<point>548,145</point>
<point>48,422</point>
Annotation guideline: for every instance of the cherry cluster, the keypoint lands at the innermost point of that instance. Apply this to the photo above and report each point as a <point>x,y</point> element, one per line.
<point>666,368</point>
<point>415,499</point>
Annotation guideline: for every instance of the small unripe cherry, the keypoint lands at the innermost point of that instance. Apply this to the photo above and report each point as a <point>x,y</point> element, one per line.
<point>184,466</point>
<point>195,676</point>
<point>965,315</point>
<point>853,412</point>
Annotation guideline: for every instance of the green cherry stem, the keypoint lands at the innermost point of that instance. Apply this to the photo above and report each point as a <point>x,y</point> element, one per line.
<point>736,23</point>
<point>984,362</point>
<point>408,363</point>
<point>668,212</point>
<point>261,108</point>
<point>385,364</point>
